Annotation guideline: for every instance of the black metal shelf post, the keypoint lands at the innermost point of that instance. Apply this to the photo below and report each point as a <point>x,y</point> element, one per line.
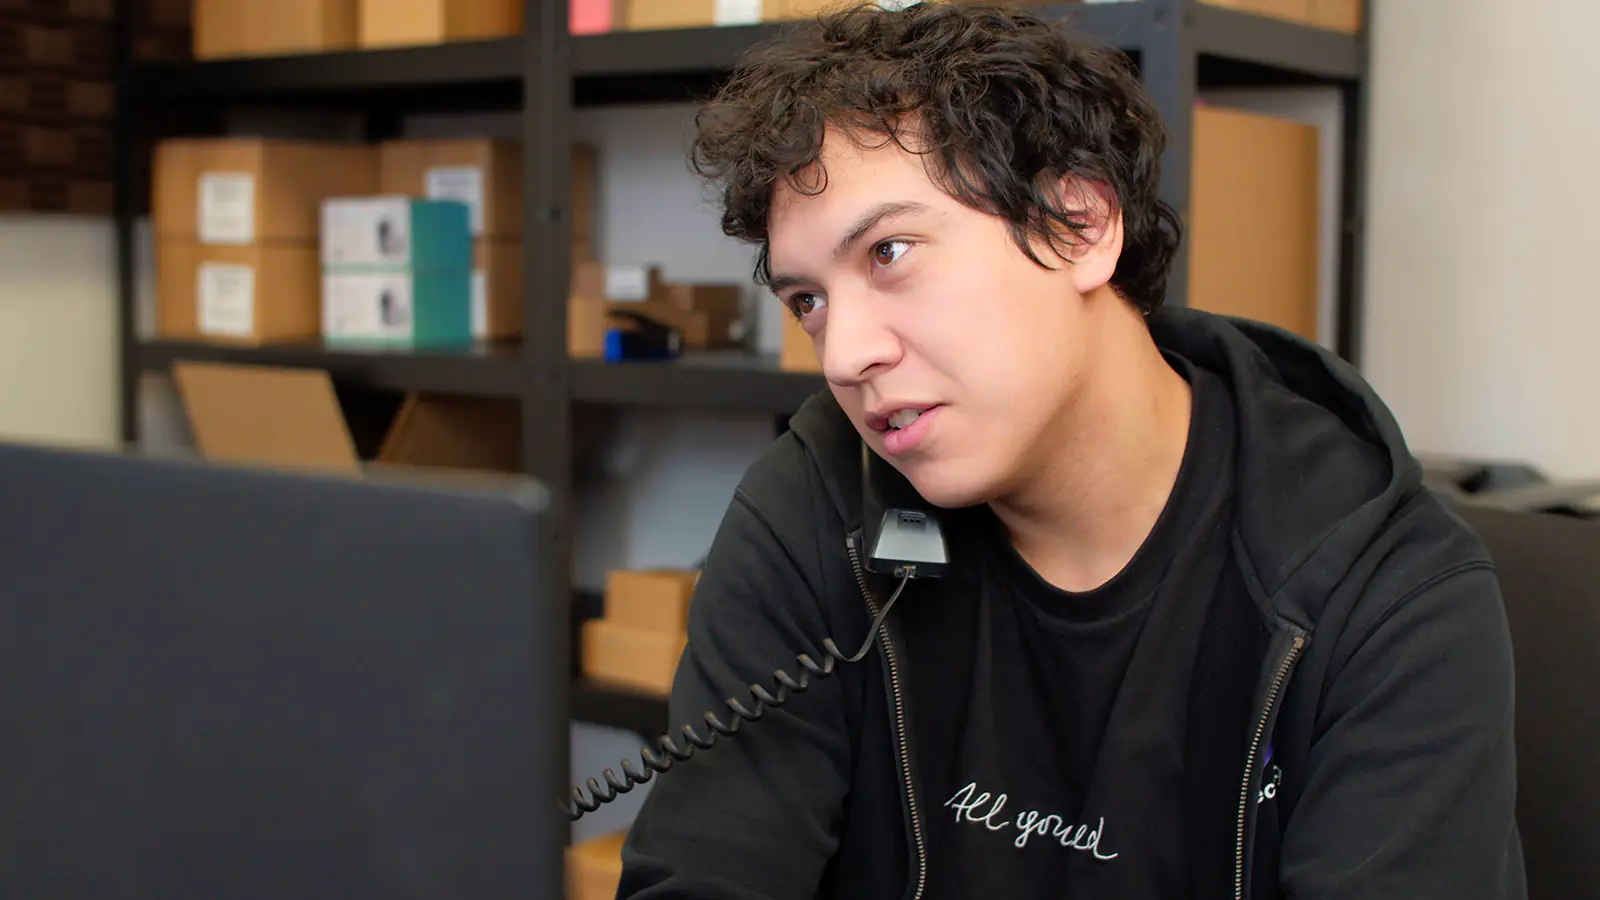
<point>1181,47</point>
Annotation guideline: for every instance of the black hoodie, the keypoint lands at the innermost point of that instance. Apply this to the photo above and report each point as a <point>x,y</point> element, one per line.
<point>1377,658</point>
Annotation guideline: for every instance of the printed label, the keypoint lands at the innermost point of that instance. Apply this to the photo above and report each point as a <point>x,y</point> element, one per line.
<point>366,305</point>
<point>227,298</point>
<point>627,284</point>
<point>366,231</point>
<point>227,210</point>
<point>737,12</point>
<point>464,183</point>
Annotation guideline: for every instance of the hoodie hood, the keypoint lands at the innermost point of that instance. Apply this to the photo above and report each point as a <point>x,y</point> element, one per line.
<point>1321,462</point>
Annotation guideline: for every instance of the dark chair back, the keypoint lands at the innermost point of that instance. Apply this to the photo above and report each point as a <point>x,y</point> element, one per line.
<point>1549,569</point>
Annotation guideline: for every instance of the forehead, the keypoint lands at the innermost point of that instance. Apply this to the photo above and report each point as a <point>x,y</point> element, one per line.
<point>855,171</point>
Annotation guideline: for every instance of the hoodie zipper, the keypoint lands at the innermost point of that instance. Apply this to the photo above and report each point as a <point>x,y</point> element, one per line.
<point>899,721</point>
<point>1273,692</point>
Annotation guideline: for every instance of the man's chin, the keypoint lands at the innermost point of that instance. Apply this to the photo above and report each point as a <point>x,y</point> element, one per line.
<point>947,485</point>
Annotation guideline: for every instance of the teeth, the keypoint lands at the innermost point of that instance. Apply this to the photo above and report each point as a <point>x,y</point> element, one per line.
<point>903,417</point>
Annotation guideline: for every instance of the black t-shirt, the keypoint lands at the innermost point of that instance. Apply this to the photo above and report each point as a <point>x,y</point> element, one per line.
<point>1068,777</point>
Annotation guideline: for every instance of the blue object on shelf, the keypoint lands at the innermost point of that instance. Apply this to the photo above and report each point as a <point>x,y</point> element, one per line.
<point>644,340</point>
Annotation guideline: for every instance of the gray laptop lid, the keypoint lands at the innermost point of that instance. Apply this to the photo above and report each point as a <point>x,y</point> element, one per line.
<point>222,684</point>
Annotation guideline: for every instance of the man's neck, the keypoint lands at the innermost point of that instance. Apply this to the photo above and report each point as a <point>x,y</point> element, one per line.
<point>1100,480</point>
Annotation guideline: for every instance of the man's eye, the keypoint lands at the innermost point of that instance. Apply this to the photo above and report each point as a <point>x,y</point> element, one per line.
<point>886,252</point>
<point>803,305</point>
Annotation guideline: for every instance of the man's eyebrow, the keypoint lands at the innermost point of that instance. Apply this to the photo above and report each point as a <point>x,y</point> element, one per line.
<point>871,219</point>
<point>864,224</point>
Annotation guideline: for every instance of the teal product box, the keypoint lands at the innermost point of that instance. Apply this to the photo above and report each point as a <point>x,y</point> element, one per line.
<point>396,271</point>
<point>395,232</point>
<point>409,309</point>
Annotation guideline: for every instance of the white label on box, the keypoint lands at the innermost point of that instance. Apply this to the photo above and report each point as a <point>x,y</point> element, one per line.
<point>737,12</point>
<point>480,305</point>
<point>227,210</point>
<point>226,293</point>
<point>366,305</point>
<point>627,284</point>
<point>366,231</point>
<point>464,183</point>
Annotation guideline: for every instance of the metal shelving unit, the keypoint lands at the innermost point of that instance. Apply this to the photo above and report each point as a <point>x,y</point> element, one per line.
<point>1181,46</point>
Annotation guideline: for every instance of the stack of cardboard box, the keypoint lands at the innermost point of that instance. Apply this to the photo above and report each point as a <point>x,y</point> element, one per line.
<point>486,174</point>
<point>236,223</point>
<point>706,315</point>
<point>638,639</point>
<point>396,270</point>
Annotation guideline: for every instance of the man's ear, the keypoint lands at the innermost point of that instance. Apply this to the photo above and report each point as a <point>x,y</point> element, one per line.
<point>1094,249</point>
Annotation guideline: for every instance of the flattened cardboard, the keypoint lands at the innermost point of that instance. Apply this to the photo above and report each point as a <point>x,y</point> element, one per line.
<point>266,415</point>
<point>474,433</point>
<point>289,417</point>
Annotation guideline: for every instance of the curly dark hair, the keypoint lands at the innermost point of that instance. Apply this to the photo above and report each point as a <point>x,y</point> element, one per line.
<point>1004,102</point>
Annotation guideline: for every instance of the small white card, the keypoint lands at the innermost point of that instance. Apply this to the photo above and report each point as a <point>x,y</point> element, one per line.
<point>627,284</point>
<point>464,183</point>
<point>227,212</point>
<point>226,293</point>
<point>737,12</point>
<point>366,305</point>
<point>364,231</point>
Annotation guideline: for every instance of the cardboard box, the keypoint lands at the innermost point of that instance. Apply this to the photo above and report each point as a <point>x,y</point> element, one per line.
<point>594,867</point>
<point>497,289</point>
<point>245,295</point>
<point>1337,15</point>
<point>587,320</point>
<point>650,599</point>
<point>630,657</point>
<point>392,233</point>
<point>230,28</point>
<point>720,305</point>
<point>396,23</point>
<point>485,174</point>
<point>797,353</point>
<point>408,308</point>
<point>482,434</point>
<point>707,315</point>
<point>240,191</point>
<point>617,282</point>
<point>1292,10</point>
<point>287,417</point>
<point>1253,232</point>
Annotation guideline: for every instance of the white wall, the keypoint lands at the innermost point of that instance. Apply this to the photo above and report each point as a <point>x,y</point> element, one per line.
<point>58,330</point>
<point>1483,314</point>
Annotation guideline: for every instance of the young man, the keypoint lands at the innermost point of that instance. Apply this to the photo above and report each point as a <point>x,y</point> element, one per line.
<point>1203,635</point>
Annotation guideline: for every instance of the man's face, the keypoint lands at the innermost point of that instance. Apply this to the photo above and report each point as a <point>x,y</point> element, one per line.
<point>919,303</point>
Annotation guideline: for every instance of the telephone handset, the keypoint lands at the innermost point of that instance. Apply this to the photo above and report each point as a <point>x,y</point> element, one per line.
<point>901,539</point>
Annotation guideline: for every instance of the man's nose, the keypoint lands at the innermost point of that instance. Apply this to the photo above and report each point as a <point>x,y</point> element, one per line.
<point>857,340</point>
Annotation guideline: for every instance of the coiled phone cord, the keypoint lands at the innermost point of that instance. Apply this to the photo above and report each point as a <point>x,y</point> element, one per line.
<point>671,752</point>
